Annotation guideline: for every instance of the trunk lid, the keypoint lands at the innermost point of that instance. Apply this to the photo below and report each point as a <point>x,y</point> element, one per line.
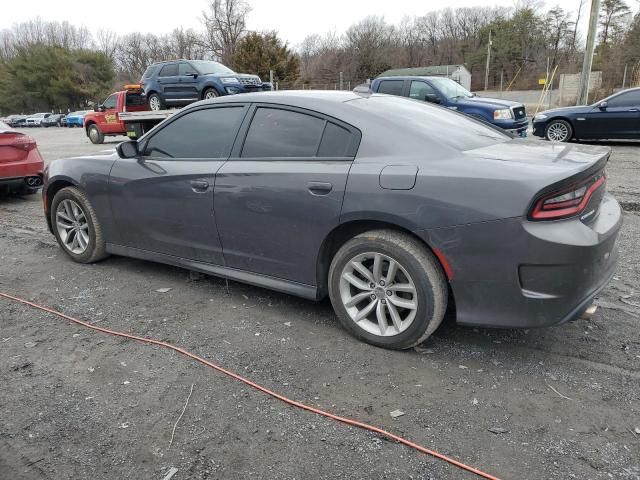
<point>14,146</point>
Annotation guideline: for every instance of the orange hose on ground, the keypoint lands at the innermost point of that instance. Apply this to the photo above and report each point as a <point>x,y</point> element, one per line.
<point>262,389</point>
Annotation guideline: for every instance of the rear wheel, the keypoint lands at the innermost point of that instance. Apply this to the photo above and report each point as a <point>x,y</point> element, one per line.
<point>387,289</point>
<point>155,102</point>
<point>95,135</point>
<point>76,226</point>
<point>558,131</point>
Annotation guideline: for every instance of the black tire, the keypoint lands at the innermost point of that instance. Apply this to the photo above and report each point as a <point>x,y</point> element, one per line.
<point>558,126</point>
<point>155,102</point>
<point>95,135</point>
<point>210,93</point>
<point>96,248</point>
<point>424,269</point>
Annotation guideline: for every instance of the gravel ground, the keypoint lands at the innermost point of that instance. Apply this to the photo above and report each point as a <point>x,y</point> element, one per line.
<point>564,401</point>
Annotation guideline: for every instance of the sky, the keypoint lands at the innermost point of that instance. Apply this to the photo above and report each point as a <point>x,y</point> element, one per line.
<point>292,19</point>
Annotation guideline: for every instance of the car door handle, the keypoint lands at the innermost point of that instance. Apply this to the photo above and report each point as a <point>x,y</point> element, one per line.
<point>633,109</point>
<point>319,188</point>
<point>199,186</point>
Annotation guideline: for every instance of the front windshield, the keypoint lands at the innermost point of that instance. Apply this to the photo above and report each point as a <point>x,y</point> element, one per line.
<point>451,89</point>
<point>205,67</point>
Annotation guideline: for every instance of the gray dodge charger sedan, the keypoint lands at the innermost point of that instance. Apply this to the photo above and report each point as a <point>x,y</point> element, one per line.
<point>396,209</point>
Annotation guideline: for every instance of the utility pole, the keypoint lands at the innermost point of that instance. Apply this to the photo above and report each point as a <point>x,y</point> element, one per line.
<point>583,92</point>
<point>624,76</point>
<point>486,71</point>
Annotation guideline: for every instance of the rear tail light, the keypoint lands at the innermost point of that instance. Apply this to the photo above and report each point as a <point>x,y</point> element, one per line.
<point>23,143</point>
<point>567,202</point>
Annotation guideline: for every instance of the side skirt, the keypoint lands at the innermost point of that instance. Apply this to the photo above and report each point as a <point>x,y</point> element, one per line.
<point>293,288</point>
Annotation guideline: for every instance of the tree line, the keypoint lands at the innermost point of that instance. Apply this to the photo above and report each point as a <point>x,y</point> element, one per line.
<point>56,65</point>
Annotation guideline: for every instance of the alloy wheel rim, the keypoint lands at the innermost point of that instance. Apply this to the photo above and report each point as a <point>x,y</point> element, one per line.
<point>154,103</point>
<point>378,294</point>
<point>93,133</point>
<point>72,226</point>
<point>558,132</point>
<point>209,95</point>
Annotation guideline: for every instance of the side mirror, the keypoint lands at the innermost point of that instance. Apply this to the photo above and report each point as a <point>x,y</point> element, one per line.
<point>128,149</point>
<point>603,105</point>
<point>430,97</point>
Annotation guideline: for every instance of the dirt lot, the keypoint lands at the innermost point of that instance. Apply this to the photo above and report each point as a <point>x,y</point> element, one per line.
<point>83,405</point>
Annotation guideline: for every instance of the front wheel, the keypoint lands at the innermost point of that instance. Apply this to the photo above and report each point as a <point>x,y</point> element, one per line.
<point>95,135</point>
<point>387,289</point>
<point>209,94</point>
<point>558,131</point>
<point>76,226</point>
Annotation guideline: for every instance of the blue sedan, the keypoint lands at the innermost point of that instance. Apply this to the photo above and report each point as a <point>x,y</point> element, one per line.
<point>615,117</point>
<point>76,119</point>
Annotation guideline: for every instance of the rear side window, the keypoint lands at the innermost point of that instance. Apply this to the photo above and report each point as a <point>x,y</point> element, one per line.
<point>150,71</point>
<point>169,70</point>
<point>336,141</point>
<point>280,133</point>
<point>207,133</point>
<point>391,87</point>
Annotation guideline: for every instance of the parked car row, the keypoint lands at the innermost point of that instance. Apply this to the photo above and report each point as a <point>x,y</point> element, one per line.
<point>43,119</point>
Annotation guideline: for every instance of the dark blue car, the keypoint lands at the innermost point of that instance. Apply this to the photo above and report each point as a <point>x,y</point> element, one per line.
<point>615,117</point>
<point>508,115</point>
<point>181,82</point>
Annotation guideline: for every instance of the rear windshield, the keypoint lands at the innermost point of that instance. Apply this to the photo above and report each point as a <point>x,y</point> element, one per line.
<point>135,100</point>
<point>438,124</point>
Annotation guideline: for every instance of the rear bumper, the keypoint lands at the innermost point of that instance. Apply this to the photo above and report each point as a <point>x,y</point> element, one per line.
<point>516,273</point>
<point>32,166</point>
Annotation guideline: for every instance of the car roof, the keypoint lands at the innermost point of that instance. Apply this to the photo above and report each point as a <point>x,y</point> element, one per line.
<point>410,77</point>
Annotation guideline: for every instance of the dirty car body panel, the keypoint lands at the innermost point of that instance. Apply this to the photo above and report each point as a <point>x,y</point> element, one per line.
<point>490,207</point>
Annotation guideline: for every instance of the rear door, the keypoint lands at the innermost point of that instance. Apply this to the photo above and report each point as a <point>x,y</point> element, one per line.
<point>281,192</point>
<point>163,200</point>
<point>169,81</point>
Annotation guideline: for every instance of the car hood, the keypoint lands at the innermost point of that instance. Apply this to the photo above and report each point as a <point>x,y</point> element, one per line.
<point>234,75</point>
<point>567,110</point>
<point>496,103</point>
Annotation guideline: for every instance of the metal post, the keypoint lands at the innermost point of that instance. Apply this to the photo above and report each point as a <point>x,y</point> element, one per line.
<point>341,80</point>
<point>501,76</point>
<point>271,77</point>
<point>624,76</point>
<point>583,92</point>
<point>486,71</point>
<point>277,86</point>
<point>349,85</point>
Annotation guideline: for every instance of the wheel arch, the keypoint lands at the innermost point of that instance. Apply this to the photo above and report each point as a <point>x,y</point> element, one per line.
<point>345,231</point>
<point>88,124</point>
<point>209,86</point>
<point>52,188</point>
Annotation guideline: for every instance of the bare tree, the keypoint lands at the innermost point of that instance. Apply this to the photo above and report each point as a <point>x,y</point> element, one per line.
<point>574,39</point>
<point>107,42</point>
<point>225,23</point>
<point>613,14</point>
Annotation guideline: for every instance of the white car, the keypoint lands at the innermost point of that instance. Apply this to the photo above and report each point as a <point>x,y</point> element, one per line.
<point>35,119</point>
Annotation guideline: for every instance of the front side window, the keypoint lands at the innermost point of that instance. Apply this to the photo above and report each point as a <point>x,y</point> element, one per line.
<point>627,99</point>
<point>391,87</point>
<point>169,70</point>
<point>206,67</point>
<point>207,133</point>
<point>111,102</point>
<point>185,69</point>
<point>421,91</point>
<point>278,133</point>
<point>451,89</point>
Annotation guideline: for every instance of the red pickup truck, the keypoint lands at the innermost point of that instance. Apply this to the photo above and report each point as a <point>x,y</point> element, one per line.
<point>105,119</point>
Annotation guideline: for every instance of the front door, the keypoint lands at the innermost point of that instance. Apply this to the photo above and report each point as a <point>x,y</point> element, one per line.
<point>108,119</point>
<point>188,87</point>
<point>620,118</point>
<point>163,201</point>
<point>280,193</point>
